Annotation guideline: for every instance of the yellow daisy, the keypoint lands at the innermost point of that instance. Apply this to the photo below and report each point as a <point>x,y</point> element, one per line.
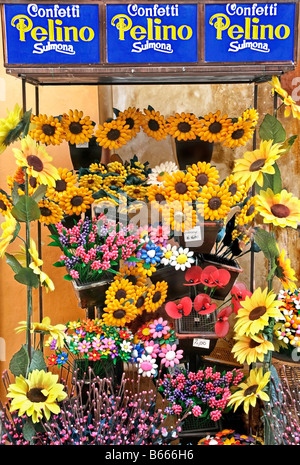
<point>47,129</point>
<point>154,124</point>
<point>285,272</point>
<point>51,213</point>
<point>251,114</point>
<point>67,179</point>
<point>8,124</point>
<point>237,189</point>
<point>78,128</point>
<point>119,314</point>
<point>253,165</point>
<point>133,119</point>
<point>251,390</point>
<point>204,173</point>
<point>238,133</point>
<point>76,200</point>
<point>113,181</point>
<point>91,181</point>
<point>216,202</point>
<point>5,204</point>
<point>250,349</point>
<point>256,311</point>
<point>156,296</point>
<point>37,162</point>
<point>8,227</point>
<point>181,186</point>
<point>213,127</point>
<point>247,213</point>
<point>113,134</point>
<point>282,209</point>
<point>183,126</point>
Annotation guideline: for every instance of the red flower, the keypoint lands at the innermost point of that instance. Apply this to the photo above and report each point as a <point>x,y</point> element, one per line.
<point>193,276</point>
<point>239,293</point>
<point>215,277</point>
<point>52,360</point>
<point>183,308</point>
<point>203,305</point>
<point>222,325</point>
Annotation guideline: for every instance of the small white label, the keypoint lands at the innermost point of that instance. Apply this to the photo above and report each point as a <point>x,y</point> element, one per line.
<point>82,145</point>
<point>203,343</point>
<point>193,235</point>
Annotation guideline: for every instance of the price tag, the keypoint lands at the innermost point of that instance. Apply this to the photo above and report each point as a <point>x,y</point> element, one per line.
<point>82,145</point>
<point>193,235</point>
<point>202,343</point>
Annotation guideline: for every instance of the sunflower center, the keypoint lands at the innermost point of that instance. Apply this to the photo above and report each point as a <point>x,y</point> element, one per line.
<point>130,122</point>
<point>32,182</point>
<point>250,210</point>
<point>120,294</point>
<point>253,344</point>
<point>75,127</point>
<point>238,134</point>
<point>184,127</point>
<point>36,395</point>
<point>113,134</point>
<point>181,188</point>
<point>279,210</point>
<point>76,200</point>
<point>257,312</point>
<point>156,297</point>
<point>2,205</point>
<point>60,185</point>
<point>153,125</point>
<point>35,162</point>
<point>45,211</point>
<point>215,127</point>
<point>233,189</point>
<point>202,179</point>
<point>250,390</point>
<point>140,302</point>
<point>119,314</point>
<point>257,164</point>
<point>159,198</point>
<point>48,129</point>
<point>214,203</point>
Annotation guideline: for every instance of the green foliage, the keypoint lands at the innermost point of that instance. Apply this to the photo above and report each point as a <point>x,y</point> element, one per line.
<point>21,129</point>
<point>267,243</point>
<point>272,181</point>
<point>26,209</point>
<point>272,129</point>
<point>28,277</point>
<point>20,363</point>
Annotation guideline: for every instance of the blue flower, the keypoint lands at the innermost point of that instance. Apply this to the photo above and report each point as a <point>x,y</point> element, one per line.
<point>151,253</point>
<point>62,358</point>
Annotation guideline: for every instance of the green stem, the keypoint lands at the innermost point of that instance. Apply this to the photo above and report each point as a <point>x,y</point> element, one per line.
<point>29,288</point>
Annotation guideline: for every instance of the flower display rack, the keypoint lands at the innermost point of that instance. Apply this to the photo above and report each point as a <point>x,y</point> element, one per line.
<point>194,323</point>
<point>199,427</point>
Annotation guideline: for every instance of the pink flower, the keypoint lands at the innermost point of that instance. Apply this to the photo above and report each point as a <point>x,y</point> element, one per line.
<point>215,415</point>
<point>74,274</point>
<point>96,265</point>
<point>84,346</point>
<point>159,328</point>
<point>170,356</point>
<point>177,409</point>
<point>152,348</point>
<point>196,411</point>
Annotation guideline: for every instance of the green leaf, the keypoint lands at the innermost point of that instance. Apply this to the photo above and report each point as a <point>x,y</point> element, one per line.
<point>37,361</point>
<point>16,231</point>
<point>13,263</point>
<point>58,264</point>
<point>26,209</point>
<point>15,193</point>
<point>19,362</point>
<point>39,193</point>
<point>267,243</point>
<point>67,277</point>
<point>272,129</point>
<point>287,144</point>
<point>273,181</point>
<point>26,276</point>
<point>22,127</point>
<point>28,432</point>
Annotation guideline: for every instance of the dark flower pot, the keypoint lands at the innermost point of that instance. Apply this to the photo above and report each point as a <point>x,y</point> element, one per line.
<point>210,231</point>
<point>175,280</point>
<point>83,157</point>
<point>91,294</point>
<point>192,151</point>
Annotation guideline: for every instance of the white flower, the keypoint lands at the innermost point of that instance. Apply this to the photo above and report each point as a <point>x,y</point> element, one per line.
<point>147,365</point>
<point>158,173</point>
<point>168,253</point>
<point>182,259</point>
<point>126,346</point>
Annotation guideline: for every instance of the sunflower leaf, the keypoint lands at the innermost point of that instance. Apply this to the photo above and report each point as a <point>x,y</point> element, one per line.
<point>272,129</point>
<point>26,209</point>
<point>267,243</point>
<point>13,263</point>
<point>39,193</point>
<point>19,362</point>
<point>28,432</point>
<point>28,277</point>
<point>272,181</point>
<point>37,361</point>
<point>288,144</point>
<point>22,127</point>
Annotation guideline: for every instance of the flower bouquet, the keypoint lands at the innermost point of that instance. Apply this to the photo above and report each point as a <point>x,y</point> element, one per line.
<point>286,338</point>
<point>229,437</point>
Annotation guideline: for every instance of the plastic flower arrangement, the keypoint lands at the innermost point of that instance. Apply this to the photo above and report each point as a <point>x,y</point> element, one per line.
<point>93,248</point>
<point>287,326</point>
<point>229,437</point>
<point>205,393</point>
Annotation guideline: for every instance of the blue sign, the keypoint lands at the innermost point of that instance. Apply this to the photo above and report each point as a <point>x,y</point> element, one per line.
<point>151,33</point>
<point>48,33</point>
<point>237,32</point>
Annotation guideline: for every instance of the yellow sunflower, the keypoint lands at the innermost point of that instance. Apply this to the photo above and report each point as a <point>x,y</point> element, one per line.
<point>133,119</point>
<point>76,200</point>
<point>204,173</point>
<point>251,114</point>
<point>156,193</point>
<point>290,104</point>
<point>213,127</point>
<point>238,133</point>
<point>251,390</point>
<point>181,186</point>
<point>113,181</point>
<point>256,311</point>
<point>47,129</point>
<point>250,349</point>
<point>37,162</point>
<point>78,128</point>
<point>133,274</point>
<point>8,124</point>
<point>36,395</point>
<point>154,124</point>
<point>179,216</point>
<point>91,181</point>
<point>282,209</point>
<point>113,134</point>
<point>140,298</point>
<point>117,167</point>
<point>138,192</point>
<point>51,213</point>
<point>5,204</point>
<point>67,179</point>
<point>119,314</point>
<point>8,227</point>
<point>183,126</point>
<point>156,296</point>
<point>285,272</point>
<point>120,289</point>
<point>253,165</point>
<point>216,202</point>
<point>247,213</point>
<point>97,168</point>
<point>56,331</point>
<point>237,189</point>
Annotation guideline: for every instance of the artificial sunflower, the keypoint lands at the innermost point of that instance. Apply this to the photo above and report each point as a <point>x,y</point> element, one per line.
<point>113,134</point>
<point>133,119</point>
<point>156,296</point>
<point>133,274</point>
<point>213,127</point>
<point>180,216</point>
<point>183,126</point>
<point>253,165</point>
<point>238,133</point>
<point>156,193</point>
<point>36,395</point>
<point>8,124</point>
<point>204,173</point>
<point>115,181</point>
<point>120,289</point>
<point>37,162</point>
<point>159,172</point>
<point>154,124</point>
<point>91,181</point>
<point>285,272</point>
<point>282,209</point>
<point>76,200</point>
<point>47,129</point>
<point>290,104</point>
<point>251,114</point>
<point>216,202</point>
<point>140,298</point>
<point>138,192</point>
<point>119,314</point>
<point>237,189</point>
<point>51,213</point>
<point>5,203</point>
<point>78,128</point>
<point>67,179</point>
<point>8,227</point>
<point>247,213</point>
<point>251,390</point>
<point>181,186</point>
<point>58,332</point>
<point>105,202</point>
<point>98,168</point>
<point>256,311</point>
<point>118,168</point>
<point>250,349</point>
